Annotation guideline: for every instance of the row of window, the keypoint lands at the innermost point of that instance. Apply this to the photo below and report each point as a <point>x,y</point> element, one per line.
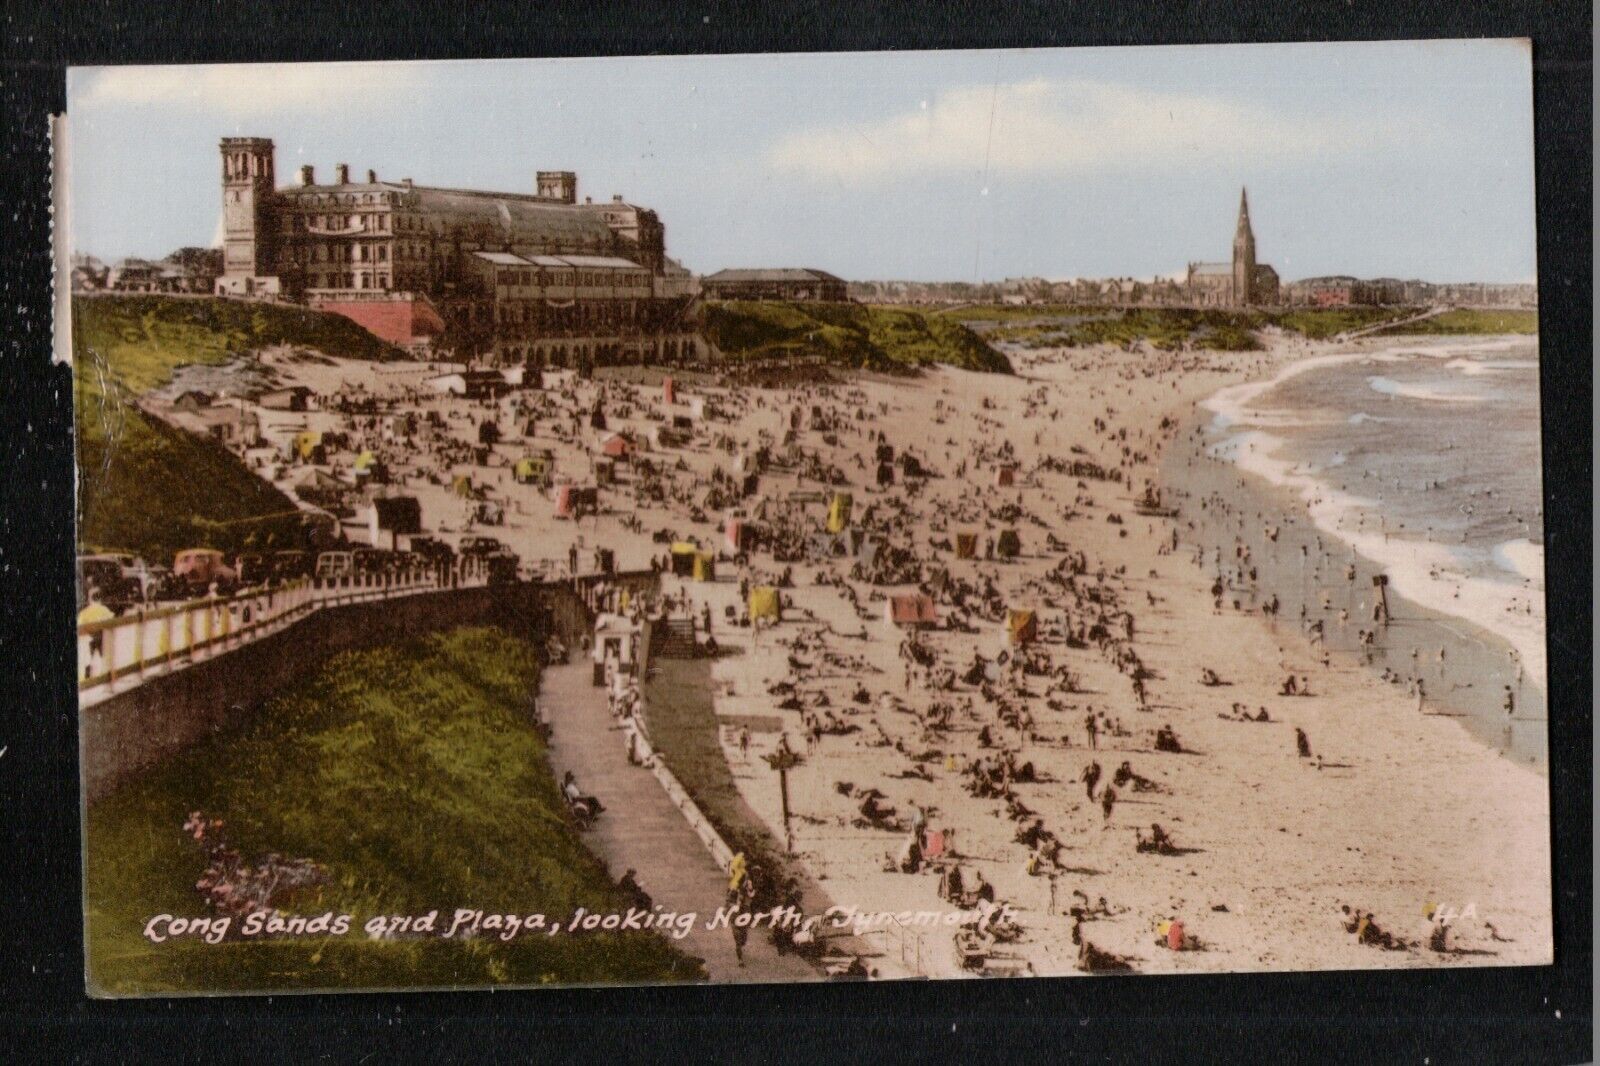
<point>585,278</point>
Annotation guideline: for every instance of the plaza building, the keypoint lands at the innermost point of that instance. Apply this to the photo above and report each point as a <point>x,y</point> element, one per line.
<point>407,261</point>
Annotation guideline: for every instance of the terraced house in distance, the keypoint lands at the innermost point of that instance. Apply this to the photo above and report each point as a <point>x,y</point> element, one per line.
<point>535,278</point>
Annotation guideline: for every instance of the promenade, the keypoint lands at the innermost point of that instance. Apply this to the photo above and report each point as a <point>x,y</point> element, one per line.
<point>642,830</point>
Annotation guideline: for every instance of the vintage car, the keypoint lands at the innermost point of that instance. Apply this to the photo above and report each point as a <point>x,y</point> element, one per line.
<point>199,569</point>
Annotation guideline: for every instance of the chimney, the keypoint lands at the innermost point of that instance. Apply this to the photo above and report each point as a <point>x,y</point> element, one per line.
<point>406,182</point>
<point>308,175</point>
<point>616,197</point>
<point>341,174</point>
<point>372,177</point>
<point>588,199</point>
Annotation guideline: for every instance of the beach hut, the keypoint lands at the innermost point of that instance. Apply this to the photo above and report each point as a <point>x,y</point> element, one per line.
<point>839,512</point>
<point>668,393</point>
<point>616,640</point>
<point>564,502</point>
<point>737,536</point>
<point>910,466</point>
<point>911,610</point>
<point>534,469</point>
<point>764,603</point>
<point>1009,546</point>
<point>705,566</point>
<point>1005,475</point>
<point>1022,626</point>
<point>966,545</point>
<point>683,556</point>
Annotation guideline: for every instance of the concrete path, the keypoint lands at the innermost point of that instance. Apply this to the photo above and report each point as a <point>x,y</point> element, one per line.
<point>642,830</point>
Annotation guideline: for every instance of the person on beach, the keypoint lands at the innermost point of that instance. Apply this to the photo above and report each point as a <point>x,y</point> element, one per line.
<point>1302,743</point>
<point>1091,777</point>
<point>1108,800</point>
<point>1093,729</point>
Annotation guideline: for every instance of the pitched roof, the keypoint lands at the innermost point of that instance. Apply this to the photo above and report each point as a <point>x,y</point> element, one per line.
<point>774,274</point>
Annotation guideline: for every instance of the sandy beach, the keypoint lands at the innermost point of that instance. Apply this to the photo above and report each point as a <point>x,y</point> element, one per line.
<point>1391,812</point>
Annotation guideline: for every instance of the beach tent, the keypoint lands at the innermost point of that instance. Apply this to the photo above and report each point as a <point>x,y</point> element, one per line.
<point>966,545</point>
<point>683,556</point>
<point>885,473</point>
<point>705,566</point>
<point>668,393</point>
<point>1022,626</point>
<point>1005,475</point>
<point>885,453</point>
<point>910,465</point>
<point>764,604</point>
<point>737,536</point>
<point>534,469</point>
<point>364,462</point>
<point>839,512</point>
<point>462,486</point>
<point>911,610</point>
<point>306,444</point>
<point>1009,546</point>
<point>616,446</point>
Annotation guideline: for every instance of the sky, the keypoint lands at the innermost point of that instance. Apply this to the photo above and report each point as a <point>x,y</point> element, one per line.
<point>1407,159</point>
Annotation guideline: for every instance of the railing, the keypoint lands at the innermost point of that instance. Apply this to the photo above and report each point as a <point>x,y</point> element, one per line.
<point>119,653</point>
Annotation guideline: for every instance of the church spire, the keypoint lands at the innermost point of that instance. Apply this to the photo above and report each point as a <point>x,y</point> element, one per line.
<point>1243,229</point>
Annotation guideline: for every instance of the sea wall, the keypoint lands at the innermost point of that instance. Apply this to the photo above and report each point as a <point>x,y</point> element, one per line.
<point>148,723</point>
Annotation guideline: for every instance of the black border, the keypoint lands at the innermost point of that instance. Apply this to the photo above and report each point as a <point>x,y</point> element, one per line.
<point>1526,1014</point>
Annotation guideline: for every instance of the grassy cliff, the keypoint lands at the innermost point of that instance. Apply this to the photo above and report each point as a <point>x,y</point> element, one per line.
<point>412,775</point>
<point>847,334</point>
<point>144,486</point>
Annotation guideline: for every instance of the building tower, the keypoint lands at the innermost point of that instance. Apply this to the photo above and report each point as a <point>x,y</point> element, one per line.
<point>247,189</point>
<point>1244,256</point>
<point>558,185</point>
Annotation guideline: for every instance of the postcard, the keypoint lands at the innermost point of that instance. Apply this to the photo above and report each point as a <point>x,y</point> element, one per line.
<point>786,518</point>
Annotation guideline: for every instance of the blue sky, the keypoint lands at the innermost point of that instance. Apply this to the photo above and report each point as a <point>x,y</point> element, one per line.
<point>1412,159</point>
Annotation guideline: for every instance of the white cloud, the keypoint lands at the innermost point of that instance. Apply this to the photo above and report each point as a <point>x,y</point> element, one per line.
<point>242,89</point>
<point>1045,127</point>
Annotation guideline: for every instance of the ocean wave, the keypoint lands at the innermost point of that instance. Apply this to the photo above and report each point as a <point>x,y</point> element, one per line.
<point>1475,367</point>
<point>1522,557</point>
<point>1391,387</point>
<point>1435,576</point>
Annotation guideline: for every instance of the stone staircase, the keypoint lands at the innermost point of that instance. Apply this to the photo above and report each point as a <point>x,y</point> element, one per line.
<point>673,638</point>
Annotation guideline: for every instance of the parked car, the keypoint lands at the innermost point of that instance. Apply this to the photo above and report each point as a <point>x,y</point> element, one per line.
<point>198,569</point>
<point>480,545</point>
<point>502,566</point>
<point>292,565</point>
<point>372,560</point>
<point>334,565</point>
<point>119,578</point>
<point>253,568</point>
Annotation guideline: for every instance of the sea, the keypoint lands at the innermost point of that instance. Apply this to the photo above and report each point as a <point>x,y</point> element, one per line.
<point>1411,462</point>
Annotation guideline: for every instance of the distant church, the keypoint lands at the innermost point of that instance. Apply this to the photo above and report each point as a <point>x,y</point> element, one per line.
<point>1242,283</point>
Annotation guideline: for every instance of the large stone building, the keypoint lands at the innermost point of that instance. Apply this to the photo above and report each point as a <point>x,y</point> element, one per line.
<point>593,282</point>
<point>1241,283</point>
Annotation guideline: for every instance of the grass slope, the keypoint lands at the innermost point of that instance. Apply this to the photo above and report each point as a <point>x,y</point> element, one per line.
<point>1165,328</point>
<point>148,488</point>
<point>412,774</point>
<point>1463,321</point>
<point>855,335</point>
